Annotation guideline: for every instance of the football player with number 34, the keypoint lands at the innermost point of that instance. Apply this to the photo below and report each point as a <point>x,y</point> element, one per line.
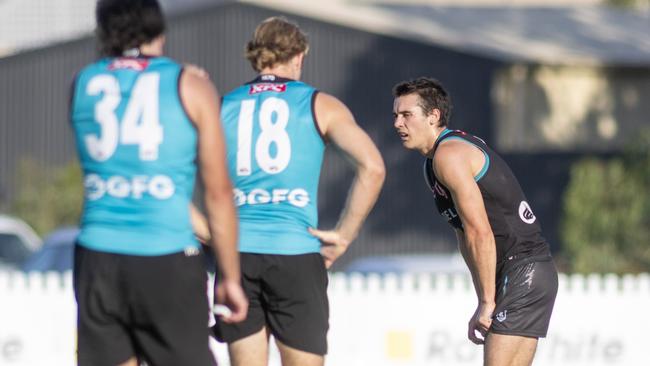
<point>140,121</point>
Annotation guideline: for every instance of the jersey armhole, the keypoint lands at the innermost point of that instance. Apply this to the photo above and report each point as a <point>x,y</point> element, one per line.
<point>179,96</point>
<point>313,116</point>
<point>486,164</point>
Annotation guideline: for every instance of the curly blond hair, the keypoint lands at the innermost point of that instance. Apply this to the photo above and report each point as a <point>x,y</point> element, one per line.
<point>276,40</point>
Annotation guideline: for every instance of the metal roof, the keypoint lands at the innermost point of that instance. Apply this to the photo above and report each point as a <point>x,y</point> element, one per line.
<point>29,24</point>
<point>549,34</point>
<point>563,35</point>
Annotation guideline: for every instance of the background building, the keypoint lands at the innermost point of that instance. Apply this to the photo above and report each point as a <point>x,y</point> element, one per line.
<point>543,85</point>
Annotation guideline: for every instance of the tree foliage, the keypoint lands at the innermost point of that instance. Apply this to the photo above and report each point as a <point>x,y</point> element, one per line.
<point>628,3</point>
<point>48,197</point>
<point>606,226</point>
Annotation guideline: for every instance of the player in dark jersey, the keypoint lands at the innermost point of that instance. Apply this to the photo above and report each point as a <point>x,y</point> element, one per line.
<point>498,234</point>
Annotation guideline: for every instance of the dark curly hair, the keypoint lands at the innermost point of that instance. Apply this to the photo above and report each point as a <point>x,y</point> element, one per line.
<point>276,40</point>
<point>127,24</point>
<point>432,96</point>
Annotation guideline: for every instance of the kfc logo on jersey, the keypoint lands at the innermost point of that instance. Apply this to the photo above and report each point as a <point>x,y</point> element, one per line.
<point>129,63</point>
<point>264,87</point>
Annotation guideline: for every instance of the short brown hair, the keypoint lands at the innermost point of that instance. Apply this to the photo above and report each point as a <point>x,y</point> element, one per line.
<point>276,40</point>
<point>432,96</point>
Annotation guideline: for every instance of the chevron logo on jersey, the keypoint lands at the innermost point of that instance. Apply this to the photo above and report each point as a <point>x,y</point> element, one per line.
<point>261,88</point>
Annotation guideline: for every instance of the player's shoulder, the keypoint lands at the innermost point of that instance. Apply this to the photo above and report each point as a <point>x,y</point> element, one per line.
<point>328,110</point>
<point>300,84</point>
<point>196,89</point>
<point>328,102</point>
<point>195,79</point>
<point>86,73</point>
<point>452,151</point>
<point>452,141</point>
<point>240,91</point>
<point>452,147</point>
<point>94,67</point>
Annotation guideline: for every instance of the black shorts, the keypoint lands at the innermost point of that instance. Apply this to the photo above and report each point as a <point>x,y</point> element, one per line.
<point>154,308</point>
<point>525,299</point>
<point>287,293</point>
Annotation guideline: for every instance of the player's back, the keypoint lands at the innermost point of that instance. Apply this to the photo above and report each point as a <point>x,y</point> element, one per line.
<point>275,152</point>
<point>137,148</point>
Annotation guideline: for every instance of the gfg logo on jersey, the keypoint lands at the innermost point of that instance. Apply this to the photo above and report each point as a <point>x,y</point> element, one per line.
<point>264,87</point>
<point>159,186</point>
<point>297,197</point>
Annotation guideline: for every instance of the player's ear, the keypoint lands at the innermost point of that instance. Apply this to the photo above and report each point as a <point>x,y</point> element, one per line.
<point>300,59</point>
<point>434,117</point>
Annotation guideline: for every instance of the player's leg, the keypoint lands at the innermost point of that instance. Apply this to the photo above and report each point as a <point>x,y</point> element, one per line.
<point>168,304</point>
<point>131,362</point>
<point>295,290</point>
<point>525,299</point>
<point>250,351</point>
<point>509,350</point>
<point>295,357</point>
<point>248,340</point>
<point>102,338</point>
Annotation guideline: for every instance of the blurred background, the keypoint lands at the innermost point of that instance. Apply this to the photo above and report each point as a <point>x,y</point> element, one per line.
<point>560,88</point>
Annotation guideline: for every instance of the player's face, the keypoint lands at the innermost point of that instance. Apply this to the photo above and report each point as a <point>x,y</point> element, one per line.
<point>411,124</point>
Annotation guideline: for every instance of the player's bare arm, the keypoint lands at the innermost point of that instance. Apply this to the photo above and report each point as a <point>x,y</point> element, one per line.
<point>456,164</point>
<point>199,221</point>
<point>338,125</point>
<point>462,247</point>
<point>201,98</point>
<point>199,225</point>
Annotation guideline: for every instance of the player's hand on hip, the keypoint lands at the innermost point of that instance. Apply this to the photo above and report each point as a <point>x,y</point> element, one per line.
<point>333,245</point>
<point>480,322</point>
<point>231,302</point>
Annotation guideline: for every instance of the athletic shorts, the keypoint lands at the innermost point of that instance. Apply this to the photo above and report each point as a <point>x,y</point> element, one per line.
<point>151,307</point>
<point>525,299</point>
<point>288,294</point>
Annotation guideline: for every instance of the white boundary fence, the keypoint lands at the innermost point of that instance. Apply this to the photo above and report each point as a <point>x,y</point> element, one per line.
<point>392,320</point>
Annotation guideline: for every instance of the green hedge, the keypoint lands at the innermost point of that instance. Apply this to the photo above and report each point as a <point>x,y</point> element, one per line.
<point>606,226</point>
<point>48,197</point>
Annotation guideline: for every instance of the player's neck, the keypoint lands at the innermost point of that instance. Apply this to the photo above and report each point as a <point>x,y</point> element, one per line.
<point>428,150</point>
<point>153,48</point>
<point>287,71</point>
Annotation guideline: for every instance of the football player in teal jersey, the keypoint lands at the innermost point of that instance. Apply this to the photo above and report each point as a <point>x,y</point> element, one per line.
<point>276,129</point>
<point>140,123</point>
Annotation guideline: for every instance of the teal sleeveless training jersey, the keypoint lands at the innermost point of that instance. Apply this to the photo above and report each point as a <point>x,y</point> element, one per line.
<point>275,152</point>
<point>137,149</point>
